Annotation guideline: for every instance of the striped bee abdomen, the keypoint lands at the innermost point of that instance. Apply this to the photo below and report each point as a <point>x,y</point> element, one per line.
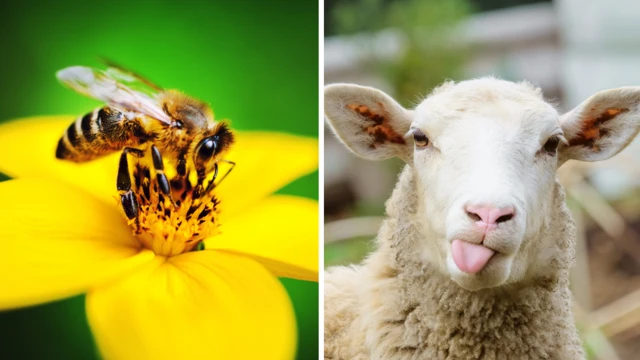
<point>99,133</point>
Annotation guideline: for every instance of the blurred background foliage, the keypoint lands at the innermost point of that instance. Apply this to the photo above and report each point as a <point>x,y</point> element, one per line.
<point>423,25</point>
<point>570,49</point>
<point>336,23</point>
<point>255,62</point>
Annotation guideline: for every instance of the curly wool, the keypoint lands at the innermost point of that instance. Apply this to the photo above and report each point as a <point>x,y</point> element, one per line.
<point>393,306</point>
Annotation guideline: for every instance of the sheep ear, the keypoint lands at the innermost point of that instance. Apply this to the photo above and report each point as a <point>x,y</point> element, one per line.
<point>601,126</point>
<point>368,121</point>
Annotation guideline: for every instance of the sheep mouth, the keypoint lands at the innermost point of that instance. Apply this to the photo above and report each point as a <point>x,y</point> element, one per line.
<point>470,258</point>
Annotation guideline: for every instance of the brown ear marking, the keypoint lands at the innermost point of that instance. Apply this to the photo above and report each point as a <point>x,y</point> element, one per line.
<point>592,131</point>
<point>380,130</point>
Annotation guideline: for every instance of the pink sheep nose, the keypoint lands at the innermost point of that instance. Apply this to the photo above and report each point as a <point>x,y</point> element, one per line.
<point>489,217</point>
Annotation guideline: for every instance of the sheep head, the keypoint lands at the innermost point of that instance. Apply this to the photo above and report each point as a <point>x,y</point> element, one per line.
<point>484,155</point>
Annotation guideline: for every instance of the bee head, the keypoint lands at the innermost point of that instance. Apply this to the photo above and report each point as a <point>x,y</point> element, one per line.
<point>212,145</point>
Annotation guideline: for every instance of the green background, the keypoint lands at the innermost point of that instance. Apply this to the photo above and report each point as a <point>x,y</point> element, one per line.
<point>255,62</point>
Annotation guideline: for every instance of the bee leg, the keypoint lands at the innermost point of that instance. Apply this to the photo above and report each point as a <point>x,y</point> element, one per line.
<point>212,184</point>
<point>182,165</point>
<point>163,182</point>
<point>179,182</point>
<point>123,183</point>
<point>198,190</point>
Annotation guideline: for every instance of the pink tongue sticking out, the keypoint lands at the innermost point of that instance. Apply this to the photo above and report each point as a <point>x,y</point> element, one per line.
<point>470,258</point>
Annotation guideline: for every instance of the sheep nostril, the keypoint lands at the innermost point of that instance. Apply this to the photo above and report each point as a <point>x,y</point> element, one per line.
<point>504,218</point>
<point>474,216</point>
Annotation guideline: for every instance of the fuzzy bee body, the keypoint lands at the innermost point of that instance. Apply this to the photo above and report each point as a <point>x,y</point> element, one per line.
<point>101,132</point>
<point>142,120</point>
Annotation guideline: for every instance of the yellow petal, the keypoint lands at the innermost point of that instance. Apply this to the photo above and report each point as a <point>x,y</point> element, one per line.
<point>198,305</point>
<point>265,163</point>
<point>28,148</point>
<point>281,232</point>
<point>57,241</point>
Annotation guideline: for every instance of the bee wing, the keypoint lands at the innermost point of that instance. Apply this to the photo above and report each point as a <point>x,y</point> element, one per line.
<point>102,85</point>
<point>130,78</point>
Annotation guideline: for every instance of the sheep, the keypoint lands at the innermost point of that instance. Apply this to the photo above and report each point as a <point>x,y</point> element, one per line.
<point>473,258</point>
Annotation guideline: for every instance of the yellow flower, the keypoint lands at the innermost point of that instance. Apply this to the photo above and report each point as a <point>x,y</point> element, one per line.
<point>61,234</point>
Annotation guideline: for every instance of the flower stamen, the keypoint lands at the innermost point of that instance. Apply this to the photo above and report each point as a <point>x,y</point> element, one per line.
<point>166,228</point>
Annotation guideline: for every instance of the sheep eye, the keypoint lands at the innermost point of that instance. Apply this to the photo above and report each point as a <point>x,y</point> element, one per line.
<point>421,140</point>
<point>551,145</point>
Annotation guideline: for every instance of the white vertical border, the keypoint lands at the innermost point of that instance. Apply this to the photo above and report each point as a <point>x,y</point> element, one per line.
<point>321,179</point>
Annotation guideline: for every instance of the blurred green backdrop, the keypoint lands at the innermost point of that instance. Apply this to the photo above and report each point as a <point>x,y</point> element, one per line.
<point>255,62</point>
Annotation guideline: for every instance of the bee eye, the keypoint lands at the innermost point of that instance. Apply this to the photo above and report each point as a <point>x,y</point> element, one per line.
<point>420,139</point>
<point>207,149</point>
<point>551,145</point>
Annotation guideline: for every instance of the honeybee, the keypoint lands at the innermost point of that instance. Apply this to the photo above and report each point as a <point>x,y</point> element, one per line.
<point>139,118</point>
